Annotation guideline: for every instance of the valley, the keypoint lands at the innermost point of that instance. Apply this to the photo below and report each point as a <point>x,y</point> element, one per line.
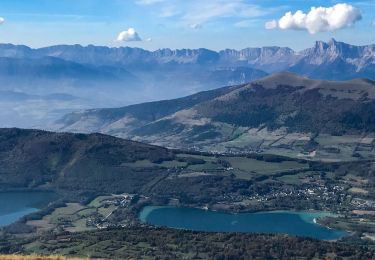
<point>172,129</point>
<point>120,178</point>
<point>283,143</point>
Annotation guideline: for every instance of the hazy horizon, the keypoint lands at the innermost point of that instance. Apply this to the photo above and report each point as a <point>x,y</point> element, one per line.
<point>186,48</point>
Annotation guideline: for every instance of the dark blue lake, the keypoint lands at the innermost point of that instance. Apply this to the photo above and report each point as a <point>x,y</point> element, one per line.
<point>292,223</point>
<point>15,205</point>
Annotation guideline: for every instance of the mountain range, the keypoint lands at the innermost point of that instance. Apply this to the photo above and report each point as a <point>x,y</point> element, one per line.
<point>359,60</point>
<point>111,77</point>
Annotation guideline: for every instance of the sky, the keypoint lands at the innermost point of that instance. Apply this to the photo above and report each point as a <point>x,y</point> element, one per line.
<point>176,24</point>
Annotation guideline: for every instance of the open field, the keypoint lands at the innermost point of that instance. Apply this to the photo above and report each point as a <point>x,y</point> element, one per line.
<point>262,167</point>
<point>325,147</point>
<point>75,217</point>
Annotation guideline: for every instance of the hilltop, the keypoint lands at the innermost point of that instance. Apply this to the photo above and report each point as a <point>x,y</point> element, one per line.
<point>74,162</point>
<point>253,116</point>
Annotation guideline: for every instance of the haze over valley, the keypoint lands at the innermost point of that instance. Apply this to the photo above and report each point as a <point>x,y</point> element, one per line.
<point>41,85</point>
<point>172,129</point>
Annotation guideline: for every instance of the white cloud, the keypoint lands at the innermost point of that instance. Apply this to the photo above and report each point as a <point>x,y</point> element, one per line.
<point>2,20</point>
<point>129,35</point>
<point>319,19</point>
<point>271,25</point>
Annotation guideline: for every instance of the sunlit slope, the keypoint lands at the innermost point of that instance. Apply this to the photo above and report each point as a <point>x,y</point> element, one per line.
<point>277,111</point>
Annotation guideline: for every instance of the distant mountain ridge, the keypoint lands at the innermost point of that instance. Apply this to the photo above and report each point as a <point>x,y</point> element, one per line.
<point>336,60</point>
<point>130,56</point>
<point>358,61</point>
<point>112,77</point>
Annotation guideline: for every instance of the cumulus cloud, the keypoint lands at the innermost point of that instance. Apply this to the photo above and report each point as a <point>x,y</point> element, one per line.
<point>2,20</point>
<point>129,35</point>
<point>319,19</point>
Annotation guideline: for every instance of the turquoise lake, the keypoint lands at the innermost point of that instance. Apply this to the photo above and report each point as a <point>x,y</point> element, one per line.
<point>15,205</point>
<point>285,222</point>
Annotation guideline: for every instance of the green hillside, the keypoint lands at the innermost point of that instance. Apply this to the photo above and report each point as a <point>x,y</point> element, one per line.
<point>281,114</point>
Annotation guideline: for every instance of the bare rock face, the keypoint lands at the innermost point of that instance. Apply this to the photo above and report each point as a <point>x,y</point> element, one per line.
<point>337,61</point>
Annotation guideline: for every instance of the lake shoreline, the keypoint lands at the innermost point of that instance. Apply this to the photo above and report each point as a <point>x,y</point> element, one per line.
<point>249,211</point>
<point>308,217</point>
<point>16,205</point>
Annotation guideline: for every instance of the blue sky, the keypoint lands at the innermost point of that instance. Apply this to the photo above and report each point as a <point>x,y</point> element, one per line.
<point>213,24</point>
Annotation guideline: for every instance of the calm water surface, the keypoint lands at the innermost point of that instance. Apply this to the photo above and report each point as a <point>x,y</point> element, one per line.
<point>286,222</point>
<point>15,205</point>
